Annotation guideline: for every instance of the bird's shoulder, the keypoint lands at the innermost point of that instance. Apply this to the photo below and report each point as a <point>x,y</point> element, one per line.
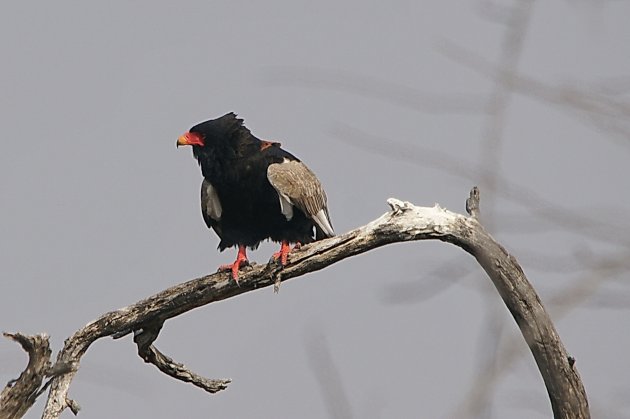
<point>273,152</point>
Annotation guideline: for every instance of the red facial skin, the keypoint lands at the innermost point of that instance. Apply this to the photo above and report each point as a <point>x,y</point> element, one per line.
<point>190,138</point>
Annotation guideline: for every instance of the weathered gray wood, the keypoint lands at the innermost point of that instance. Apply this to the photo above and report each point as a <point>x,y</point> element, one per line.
<point>20,394</point>
<point>405,222</point>
<point>144,339</point>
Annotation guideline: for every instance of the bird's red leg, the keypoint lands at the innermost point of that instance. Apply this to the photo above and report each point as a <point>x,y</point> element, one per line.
<point>241,260</point>
<point>283,253</point>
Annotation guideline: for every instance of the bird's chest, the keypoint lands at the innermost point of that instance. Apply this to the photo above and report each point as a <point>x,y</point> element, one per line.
<point>245,185</point>
<point>241,175</point>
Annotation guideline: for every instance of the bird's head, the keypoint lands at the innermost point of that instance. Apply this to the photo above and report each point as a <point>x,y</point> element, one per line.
<point>213,134</point>
<point>215,142</point>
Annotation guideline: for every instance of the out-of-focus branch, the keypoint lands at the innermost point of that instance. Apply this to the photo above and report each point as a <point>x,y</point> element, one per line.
<point>604,110</point>
<point>395,93</point>
<point>328,377</point>
<point>498,104</point>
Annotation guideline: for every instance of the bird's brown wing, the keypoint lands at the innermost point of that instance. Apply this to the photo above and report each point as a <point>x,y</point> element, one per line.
<point>298,186</point>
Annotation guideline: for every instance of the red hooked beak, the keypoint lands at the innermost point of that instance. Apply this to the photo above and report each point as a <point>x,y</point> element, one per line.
<point>190,138</point>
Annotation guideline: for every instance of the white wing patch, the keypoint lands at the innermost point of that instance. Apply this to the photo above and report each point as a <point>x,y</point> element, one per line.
<point>210,201</point>
<point>323,221</point>
<point>286,207</point>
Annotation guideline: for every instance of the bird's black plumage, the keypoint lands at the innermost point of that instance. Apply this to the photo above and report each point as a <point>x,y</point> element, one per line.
<point>254,190</point>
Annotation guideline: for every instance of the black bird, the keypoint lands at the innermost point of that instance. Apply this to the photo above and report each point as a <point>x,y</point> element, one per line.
<point>254,190</point>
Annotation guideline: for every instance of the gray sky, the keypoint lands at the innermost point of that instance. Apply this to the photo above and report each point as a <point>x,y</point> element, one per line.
<point>99,209</point>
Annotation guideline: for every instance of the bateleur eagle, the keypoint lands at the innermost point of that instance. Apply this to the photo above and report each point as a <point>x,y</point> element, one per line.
<point>253,190</point>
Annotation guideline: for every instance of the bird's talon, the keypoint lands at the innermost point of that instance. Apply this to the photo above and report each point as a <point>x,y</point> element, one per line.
<point>282,255</point>
<point>241,261</point>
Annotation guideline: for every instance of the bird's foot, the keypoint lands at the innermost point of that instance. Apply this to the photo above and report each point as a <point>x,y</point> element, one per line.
<point>234,267</point>
<point>241,260</point>
<point>282,255</point>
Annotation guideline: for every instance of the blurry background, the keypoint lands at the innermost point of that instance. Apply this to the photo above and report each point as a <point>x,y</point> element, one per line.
<point>415,100</point>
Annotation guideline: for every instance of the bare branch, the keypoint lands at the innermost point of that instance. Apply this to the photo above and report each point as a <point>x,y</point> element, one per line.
<point>405,222</point>
<point>145,338</point>
<point>20,394</point>
<point>472,203</point>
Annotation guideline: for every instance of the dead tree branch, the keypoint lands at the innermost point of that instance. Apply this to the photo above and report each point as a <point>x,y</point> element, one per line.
<point>144,339</point>
<point>20,394</point>
<point>405,222</point>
